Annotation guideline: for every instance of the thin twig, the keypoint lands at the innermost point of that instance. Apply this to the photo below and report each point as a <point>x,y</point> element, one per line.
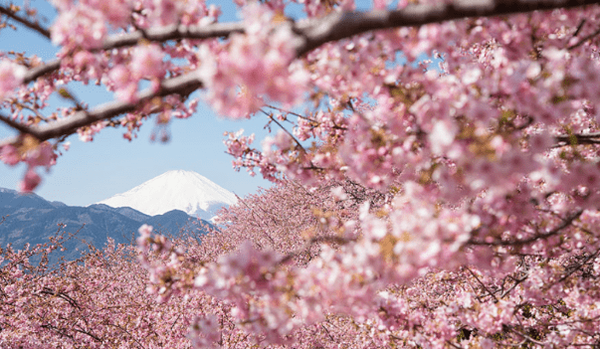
<point>453,345</point>
<point>579,27</point>
<point>310,243</point>
<point>517,282</point>
<point>528,338</point>
<point>574,269</point>
<point>89,334</point>
<point>584,40</point>
<point>566,222</point>
<point>496,300</point>
<point>181,85</point>
<point>31,25</point>
<point>130,335</point>
<point>290,112</point>
<point>270,116</point>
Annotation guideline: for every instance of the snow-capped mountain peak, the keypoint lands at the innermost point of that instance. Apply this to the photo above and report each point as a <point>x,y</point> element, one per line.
<point>175,190</point>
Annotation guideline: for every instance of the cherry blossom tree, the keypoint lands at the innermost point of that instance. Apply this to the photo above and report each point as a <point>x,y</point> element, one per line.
<point>417,206</point>
<point>101,299</point>
<point>96,301</point>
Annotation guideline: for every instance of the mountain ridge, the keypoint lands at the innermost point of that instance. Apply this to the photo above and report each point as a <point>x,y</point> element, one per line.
<point>29,218</point>
<point>187,191</point>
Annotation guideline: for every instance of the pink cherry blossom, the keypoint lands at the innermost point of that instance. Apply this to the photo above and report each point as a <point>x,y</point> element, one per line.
<point>147,62</point>
<point>10,155</point>
<point>11,76</point>
<point>30,181</point>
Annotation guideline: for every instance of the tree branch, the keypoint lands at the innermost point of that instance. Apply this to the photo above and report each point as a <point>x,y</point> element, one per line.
<point>311,34</point>
<point>517,283</point>
<point>31,25</point>
<point>182,85</point>
<point>62,295</point>
<point>566,222</point>
<point>346,24</point>
<point>298,144</point>
<point>337,26</point>
<point>173,32</point>
<point>127,332</point>
<point>41,70</point>
<point>482,285</point>
<point>161,34</point>
<point>89,334</point>
<point>312,242</point>
<point>577,139</point>
<point>575,268</point>
<point>24,129</point>
<point>584,40</point>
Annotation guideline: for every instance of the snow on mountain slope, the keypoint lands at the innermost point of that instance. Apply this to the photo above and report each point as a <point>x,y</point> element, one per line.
<point>175,190</point>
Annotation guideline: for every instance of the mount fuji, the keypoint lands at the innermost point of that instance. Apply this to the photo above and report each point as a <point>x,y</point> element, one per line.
<point>175,190</point>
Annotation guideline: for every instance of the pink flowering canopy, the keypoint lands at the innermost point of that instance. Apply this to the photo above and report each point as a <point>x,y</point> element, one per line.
<point>451,201</point>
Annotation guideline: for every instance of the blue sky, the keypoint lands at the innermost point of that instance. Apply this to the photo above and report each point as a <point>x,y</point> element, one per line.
<point>90,172</point>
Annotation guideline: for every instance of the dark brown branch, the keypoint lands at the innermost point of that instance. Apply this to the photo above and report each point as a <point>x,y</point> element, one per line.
<point>183,85</point>
<point>482,285</point>
<point>346,24</point>
<point>311,34</point>
<point>270,116</point>
<point>161,34</point>
<point>290,112</point>
<point>579,27</point>
<point>57,330</point>
<point>337,26</point>
<point>517,283</point>
<point>62,295</point>
<point>568,221</point>
<point>41,70</point>
<point>130,335</point>
<point>575,268</point>
<point>89,334</point>
<point>453,345</point>
<point>328,333</point>
<point>527,338</point>
<point>24,129</point>
<point>173,32</point>
<point>31,25</point>
<point>584,40</point>
<point>577,139</point>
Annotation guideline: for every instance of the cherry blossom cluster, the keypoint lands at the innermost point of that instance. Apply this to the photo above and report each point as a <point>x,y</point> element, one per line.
<point>33,155</point>
<point>11,76</point>
<point>98,300</point>
<point>253,67</point>
<point>397,283</point>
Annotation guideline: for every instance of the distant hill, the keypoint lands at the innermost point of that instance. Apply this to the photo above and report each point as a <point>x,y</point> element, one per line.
<point>28,218</point>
